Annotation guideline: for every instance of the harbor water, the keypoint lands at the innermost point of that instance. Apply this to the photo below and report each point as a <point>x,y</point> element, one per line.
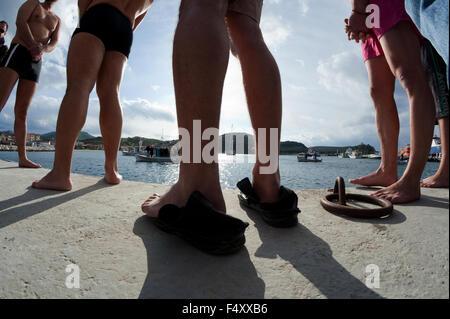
<point>294,175</point>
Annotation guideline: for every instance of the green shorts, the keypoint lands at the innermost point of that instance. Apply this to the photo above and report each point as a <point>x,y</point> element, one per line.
<point>436,70</point>
<point>251,8</point>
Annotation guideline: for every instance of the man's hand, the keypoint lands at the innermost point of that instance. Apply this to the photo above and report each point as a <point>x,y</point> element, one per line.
<point>37,51</point>
<point>356,28</point>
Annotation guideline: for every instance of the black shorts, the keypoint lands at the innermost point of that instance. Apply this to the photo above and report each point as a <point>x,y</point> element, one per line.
<point>110,25</point>
<point>436,70</point>
<point>20,60</point>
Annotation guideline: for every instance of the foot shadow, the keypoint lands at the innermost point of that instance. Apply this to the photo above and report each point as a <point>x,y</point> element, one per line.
<point>16,214</point>
<point>176,270</point>
<point>369,188</point>
<point>30,195</point>
<point>312,258</point>
<point>430,201</point>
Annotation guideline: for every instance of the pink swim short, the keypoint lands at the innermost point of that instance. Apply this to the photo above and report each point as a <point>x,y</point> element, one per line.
<point>391,13</point>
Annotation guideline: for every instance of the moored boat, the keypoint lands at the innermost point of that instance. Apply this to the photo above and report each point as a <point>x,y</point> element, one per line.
<point>310,157</point>
<point>152,159</point>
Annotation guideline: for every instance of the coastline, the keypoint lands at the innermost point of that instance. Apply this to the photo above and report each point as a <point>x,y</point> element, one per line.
<point>122,255</point>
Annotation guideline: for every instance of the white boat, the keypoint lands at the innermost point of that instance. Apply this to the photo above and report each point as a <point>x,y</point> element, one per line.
<point>435,154</point>
<point>310,157</point>
<point>346,154</point>
<point>374,156</point>
<point>152,159</point>
<point>355,155</point>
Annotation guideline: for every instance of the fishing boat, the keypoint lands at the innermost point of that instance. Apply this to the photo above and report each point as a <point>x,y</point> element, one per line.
<point>403,155</point>
<point>310,157</point>
<point>152,159</point>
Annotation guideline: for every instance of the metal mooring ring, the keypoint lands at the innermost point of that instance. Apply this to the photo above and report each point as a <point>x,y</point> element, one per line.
<point>336,203</point>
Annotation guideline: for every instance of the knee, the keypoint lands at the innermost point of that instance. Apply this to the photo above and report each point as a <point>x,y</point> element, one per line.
<point>410,77</point>
<point>107,92</point>
<point>381,93</point>
<point>78,91</point>
<point>20,115</point>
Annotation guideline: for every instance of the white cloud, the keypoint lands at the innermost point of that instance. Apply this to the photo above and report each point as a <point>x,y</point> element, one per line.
<point>275,30</point>
<point>304,7</point>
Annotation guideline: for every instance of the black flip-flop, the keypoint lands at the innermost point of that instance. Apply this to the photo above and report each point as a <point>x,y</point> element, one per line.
<point>282,213</point>
<point>204,227</point>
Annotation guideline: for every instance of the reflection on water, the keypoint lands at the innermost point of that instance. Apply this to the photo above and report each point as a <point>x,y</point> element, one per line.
<point>232,168</point>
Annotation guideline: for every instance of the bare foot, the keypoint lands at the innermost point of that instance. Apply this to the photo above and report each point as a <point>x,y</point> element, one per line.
<point>26,163</point>
<point>113,177</point>
<point>53,182</point>
<point>179,194</point>
<point>379,178</point>
<point>266,186</point>
<point>435,181</point>
<point>400,192</point>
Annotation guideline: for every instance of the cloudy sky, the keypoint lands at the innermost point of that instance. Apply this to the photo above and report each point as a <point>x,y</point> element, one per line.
<point>325,86</point>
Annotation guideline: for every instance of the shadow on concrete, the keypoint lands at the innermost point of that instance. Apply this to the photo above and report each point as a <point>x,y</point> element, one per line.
<point>179,271</point>
<point>16,214</point>
<point>30,195</point>
<point>430,201</point>
<point>312,258</point>
<point>395,218</point>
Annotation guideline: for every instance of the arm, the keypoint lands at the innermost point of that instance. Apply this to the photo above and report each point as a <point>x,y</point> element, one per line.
<point>23,29</point>
<point>139,19</point>
<point>356,25</point>
<point>53,39</point>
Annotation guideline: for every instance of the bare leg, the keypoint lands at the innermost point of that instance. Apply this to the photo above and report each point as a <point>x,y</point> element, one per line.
<point>263,90</point>
<point>440,179</point>
<point>8,79</point>
<point>382,85</point>
<point>200,61</point>
<point>402,49</point>
<point>108,86</point>
<point>25,93</point>
<point>83,64</point>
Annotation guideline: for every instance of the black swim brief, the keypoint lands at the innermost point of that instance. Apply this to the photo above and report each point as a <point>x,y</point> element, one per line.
<point>20,60</point>
<point>110,25</point>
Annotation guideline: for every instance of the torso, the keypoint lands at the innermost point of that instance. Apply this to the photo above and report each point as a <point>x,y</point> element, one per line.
<point>130,8</point>
<point>42,24</point>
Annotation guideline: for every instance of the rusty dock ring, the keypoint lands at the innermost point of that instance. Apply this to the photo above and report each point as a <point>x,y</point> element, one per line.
<point>336,203</point>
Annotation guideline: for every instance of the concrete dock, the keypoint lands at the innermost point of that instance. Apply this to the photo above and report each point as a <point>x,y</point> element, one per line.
<point>120,254</point>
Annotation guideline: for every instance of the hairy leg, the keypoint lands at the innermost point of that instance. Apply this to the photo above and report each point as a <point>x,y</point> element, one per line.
<point>440,179</point>
<point>402,49</point>
<point>262,84</point>
<point>8,78</point>
<point>200,60</point>
<point>382,86</point>
<point>83,64</point>
<point>24,96</point>
<point>108,88</point>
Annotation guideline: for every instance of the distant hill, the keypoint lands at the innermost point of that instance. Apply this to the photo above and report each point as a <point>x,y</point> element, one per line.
<point>52,135</point>
<point>362,148</point>
<point>289,148</point>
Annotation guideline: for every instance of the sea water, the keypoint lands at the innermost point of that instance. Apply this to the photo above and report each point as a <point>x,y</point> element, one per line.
<point>294,174</point>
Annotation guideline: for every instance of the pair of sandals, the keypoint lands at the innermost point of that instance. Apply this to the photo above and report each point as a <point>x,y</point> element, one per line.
<point>216,233</point>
